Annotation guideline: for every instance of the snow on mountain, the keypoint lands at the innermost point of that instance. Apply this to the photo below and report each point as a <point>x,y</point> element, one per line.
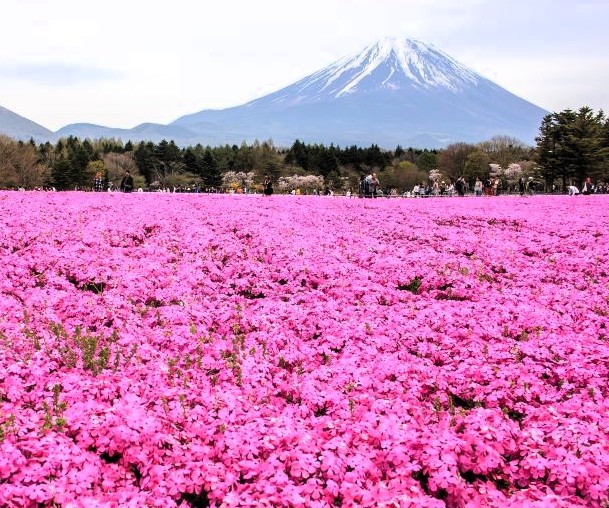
<point>391,64</point>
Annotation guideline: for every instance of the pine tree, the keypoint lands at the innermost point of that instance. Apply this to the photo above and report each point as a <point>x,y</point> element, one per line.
<point>192,162</point>
<point>79,156</point>
<point>144,159</point>
<point>571,146</point>
<point>61,173</point>
<point>210,171</point>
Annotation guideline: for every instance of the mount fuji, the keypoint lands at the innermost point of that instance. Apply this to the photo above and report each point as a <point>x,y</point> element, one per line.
<point>393,92</point>
<point>396,91</point>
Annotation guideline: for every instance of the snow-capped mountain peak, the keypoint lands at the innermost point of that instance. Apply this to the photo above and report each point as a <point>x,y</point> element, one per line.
<point>402,62</point>
<point>390,64</point>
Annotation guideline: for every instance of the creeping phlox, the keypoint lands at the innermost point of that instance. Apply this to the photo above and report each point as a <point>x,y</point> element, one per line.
<point>300,351</point>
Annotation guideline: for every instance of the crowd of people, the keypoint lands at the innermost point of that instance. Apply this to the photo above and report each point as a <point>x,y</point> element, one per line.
<point>588,188</point>
<point>369,187</point>
<point>486,187</point>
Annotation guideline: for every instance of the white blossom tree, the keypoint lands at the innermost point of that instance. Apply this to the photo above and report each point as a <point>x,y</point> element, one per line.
<point>238,179</point>
<point>513,173</point>
<point>496,171</point>
<point>435,175</point>
<point>305,183</point>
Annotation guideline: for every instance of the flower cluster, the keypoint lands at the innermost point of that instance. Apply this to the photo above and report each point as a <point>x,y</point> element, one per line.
<point>224,350</point>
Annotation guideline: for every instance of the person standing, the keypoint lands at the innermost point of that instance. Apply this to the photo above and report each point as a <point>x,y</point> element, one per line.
<point>363,187</point>
<point>267,185</point>
<point>521,186</point>
<point>460,186</point>
<point>478,187</point>
<point>587,188</point>
<point>127,182</point>
<point>374,185</point>
<point>368,185</point>
<point>98,182</point>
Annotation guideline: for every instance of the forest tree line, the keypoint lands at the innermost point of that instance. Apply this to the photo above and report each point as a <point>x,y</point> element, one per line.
<point>571,146</point>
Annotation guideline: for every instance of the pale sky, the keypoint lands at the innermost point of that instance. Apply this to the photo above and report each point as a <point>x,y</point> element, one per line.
<point>120,63</point>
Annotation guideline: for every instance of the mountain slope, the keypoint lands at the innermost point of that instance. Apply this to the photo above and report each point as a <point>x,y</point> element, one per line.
<point>18,127</point>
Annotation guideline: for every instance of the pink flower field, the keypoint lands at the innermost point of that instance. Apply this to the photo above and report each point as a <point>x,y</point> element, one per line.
<point>163,350</point>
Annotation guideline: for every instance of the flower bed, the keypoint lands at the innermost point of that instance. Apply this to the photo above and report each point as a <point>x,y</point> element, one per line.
<point>199,350</point>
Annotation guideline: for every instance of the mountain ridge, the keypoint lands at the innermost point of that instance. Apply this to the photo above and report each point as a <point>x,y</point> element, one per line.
<point>19,127</point>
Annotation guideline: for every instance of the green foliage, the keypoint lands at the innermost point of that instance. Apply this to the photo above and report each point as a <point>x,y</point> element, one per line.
<point>426,161</point>
<point>452,160</point>
<point>414,286</point>
<point>7,427</point>
<point>144,156</point>
<point>403,176</point>
<point>94,353</point>
<point>61,174</point>
<point>210,170</point>
<point>53,414</point>
<point>476,166</point>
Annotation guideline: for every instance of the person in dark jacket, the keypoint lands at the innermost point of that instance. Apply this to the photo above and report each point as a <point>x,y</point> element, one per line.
<point>127,182</point>
<point>267,185</point>
<point>460,186</point>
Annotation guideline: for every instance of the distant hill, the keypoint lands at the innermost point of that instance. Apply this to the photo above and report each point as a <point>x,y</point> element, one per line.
<point>144,132</point>
<point>18,127</point>
<point>397,91</point>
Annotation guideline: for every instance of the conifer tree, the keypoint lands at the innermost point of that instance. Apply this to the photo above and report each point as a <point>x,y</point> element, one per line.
<point>571,146</point>
<point>61,177</point>
<point>210,171</point>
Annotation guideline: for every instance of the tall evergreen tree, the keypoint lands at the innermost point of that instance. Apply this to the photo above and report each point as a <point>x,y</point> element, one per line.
<point>327,162</point>
<point>192,161</point>
<point>210,170</point>
<point>144,159</point>
<point>587,138</point>
<point>297,155</point>
<point>571,146</point>
<point>79,156</point>
<point>61,176</point>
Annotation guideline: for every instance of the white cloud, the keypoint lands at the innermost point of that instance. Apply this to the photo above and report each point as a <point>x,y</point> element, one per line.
<point>56,74</point>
